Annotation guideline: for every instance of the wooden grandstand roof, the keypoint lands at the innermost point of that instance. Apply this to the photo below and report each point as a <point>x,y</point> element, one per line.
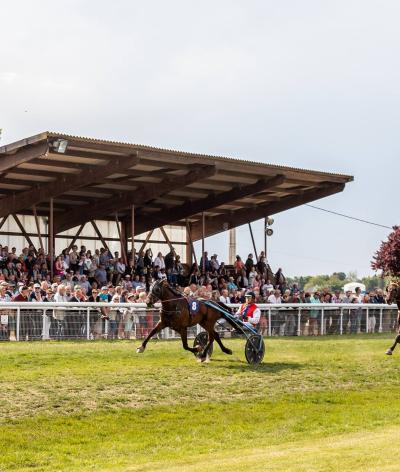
<point>95,179</point>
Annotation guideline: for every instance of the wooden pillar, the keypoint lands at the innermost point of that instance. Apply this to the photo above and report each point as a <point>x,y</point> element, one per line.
<point>122,239</point>
<point>203,232</point>
<point>133,231</point>
<point>265,237</point>
<point>38,227</point>
<point>189,236</point>
<point>51,239</point>
<point>189,250</point>
<point>124,242</point>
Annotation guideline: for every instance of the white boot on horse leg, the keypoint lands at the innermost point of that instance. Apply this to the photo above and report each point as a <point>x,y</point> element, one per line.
<point>140,349</point>
<point>389,352</point>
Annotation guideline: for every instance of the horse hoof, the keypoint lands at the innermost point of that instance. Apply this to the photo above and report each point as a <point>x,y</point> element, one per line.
<point>229,352</point>
<point>140,349</point>
<point>389,352</point>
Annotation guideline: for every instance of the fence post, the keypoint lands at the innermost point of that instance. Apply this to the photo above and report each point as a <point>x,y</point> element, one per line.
<point>269,322</point>
<point>18,322</point>
<point>88,323</point>
<point>322,322</point>
<point>299,322</point>
<point>380,319</point>
<point>341,321</point>
<point>367,320</point>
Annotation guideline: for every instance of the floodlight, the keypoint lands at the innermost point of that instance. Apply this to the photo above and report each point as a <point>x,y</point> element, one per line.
<point>269,231</point>
<point>60,145</point>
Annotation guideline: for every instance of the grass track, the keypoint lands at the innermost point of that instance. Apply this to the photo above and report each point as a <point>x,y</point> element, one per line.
<point>322,404</point>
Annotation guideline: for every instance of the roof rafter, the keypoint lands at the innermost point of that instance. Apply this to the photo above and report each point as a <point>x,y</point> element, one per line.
<point>142,194</point>
<point>162,217</point>
<point>44,191</point>
<point>219,223</point>
<point>9,161</point>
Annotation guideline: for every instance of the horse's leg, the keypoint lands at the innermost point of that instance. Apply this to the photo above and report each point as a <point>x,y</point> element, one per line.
<point>397,340</point>
<point>392,348</point>
<point>157,328</point>
<point>223,348</point>
<point>183,333</point>
<point>211,337</point>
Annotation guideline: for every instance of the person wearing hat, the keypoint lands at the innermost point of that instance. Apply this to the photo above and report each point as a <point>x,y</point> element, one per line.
<point>249,311</point>
<point>127,283</point>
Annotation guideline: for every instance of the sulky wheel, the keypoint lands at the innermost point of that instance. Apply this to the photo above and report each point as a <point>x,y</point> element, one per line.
<point>201,340</point>
<point>254,349</point>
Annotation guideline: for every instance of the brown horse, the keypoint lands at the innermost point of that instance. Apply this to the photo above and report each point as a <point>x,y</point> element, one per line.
<point>394,295</point>
<point>175,314</point>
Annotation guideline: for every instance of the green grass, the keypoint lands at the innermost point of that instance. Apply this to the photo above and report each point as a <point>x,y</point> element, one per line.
<point>319,404</point>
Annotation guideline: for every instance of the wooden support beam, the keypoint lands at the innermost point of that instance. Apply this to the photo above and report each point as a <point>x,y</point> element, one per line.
<point>124,232</point>
<point>38,227</point>
<point>51,240</point>
<point>191,208</point>
<point>76,237</point>
<point>63,184</point>
<point>203,232</point>
<point>142,194</point>
<point>121,239</point>
<point>254,244</point>
<point>133,231</point>
<point>4,219</point>
<point>146,241</point>
<point>167,240</point>
<point>25,234</point>
<point>8,161</point>
<point>218,224</point>
<point>105,245</point>
<point>190,240</point>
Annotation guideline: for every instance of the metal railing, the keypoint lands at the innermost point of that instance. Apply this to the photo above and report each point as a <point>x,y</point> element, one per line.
<point>70,320</point>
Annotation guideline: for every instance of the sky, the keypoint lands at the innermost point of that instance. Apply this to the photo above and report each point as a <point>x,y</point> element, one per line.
<point>307,84</point>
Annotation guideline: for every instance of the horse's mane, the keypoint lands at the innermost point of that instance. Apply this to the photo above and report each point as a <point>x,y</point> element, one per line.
<point>175,291</point>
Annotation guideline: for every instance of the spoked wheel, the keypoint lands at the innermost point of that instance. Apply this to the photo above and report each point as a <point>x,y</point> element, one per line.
<point>254,349</point>
<point>201,340</point>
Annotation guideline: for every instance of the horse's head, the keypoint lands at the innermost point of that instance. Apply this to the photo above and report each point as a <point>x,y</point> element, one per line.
<point>156,292</point>
<point>161,290</point>
<point>393,293</point>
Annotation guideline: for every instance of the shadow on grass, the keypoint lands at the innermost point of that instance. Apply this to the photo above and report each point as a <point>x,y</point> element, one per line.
<point>268,368</point>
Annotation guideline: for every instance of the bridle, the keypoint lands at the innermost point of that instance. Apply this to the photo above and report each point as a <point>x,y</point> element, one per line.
<point>156,292</point>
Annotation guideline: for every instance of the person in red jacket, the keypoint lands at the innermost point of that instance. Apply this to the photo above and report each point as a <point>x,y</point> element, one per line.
<point>249,311</point>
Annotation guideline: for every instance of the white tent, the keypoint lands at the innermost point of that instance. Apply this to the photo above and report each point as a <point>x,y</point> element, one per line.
<point>353,285</point>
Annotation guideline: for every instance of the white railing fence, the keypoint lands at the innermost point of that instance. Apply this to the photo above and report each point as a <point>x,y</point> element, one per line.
<point>44,321</point>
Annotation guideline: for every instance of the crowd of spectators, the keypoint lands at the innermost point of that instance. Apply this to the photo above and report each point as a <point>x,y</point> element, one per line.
<point>78,275</point>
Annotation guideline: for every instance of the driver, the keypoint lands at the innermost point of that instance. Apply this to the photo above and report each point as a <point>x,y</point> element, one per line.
<point>249,311</point>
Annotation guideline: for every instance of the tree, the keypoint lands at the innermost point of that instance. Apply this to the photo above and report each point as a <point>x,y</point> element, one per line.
<point>387,257</point>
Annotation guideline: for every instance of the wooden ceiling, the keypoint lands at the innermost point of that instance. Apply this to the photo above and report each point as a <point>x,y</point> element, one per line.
<point>96,179</point>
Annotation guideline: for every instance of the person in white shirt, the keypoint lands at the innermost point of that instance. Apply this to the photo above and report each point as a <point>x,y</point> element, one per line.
<point>159,261</point>
<point>224,297</point>
<point>277,319</point>
<point>275,297</point>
